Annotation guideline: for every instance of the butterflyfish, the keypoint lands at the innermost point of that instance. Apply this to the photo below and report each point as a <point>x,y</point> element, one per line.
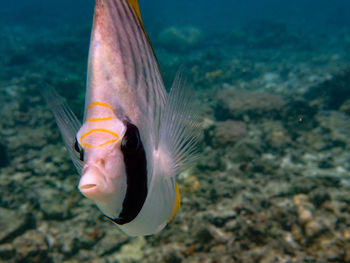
<point>135,137</point>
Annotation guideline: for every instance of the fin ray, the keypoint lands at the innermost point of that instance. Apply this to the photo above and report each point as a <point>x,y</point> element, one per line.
<point>66,121</point>
<point>179,129</point>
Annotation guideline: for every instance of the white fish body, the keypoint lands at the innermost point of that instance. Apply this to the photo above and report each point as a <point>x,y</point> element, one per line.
<point>135,137</point>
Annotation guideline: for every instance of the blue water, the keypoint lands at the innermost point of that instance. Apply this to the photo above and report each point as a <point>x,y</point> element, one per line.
<point>214,16</point>
<point>271,81</point>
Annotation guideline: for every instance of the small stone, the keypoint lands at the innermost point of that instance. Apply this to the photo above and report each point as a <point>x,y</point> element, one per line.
<point>346,234</point>
<point>297,233</point>
<point>313,229</point>
<point>304,216</point>
<point>300,199</point>
<point>32,247</point>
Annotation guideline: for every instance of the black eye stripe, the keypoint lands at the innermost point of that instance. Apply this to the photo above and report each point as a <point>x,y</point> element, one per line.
<point>78,150</point>
<point>76,146</point>
<point>136,173</point>
<point>131,142</point>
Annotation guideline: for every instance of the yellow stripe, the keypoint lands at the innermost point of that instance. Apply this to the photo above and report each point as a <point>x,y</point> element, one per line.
<point>100,119</point>
<point>102,144</point>
<point>98,130</point>
<point>103,104</point>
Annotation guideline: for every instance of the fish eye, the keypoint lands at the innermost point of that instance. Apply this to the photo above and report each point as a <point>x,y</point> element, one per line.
<point>78,150</point>
<point>131,140</point>
<point>131,143</point>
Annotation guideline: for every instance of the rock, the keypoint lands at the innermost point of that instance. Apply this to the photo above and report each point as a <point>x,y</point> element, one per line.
<point>319,197</point>
<point>131,252</point>
<point>277,136</point>
<point>313,229</point>
<point>172,254</point>
<point>299,115</point>
<point>211,161</point>
<point>299,199</point>
<point>346,234</point>
<point>233,104</point>
<point>12,223</point>
<point>189,184</point>
<point>304,208</point>
<point>3,156</point>
<point>245,150</point>
<point>204,235</point>
<point>7,251</point>
<point>227,133</point>
<point>180,38</point>
<point>345,107</point>
<point>297,234</point>
<point>304,216</point>
<point>212,75</point>
<point>110,243</point>
<point>347,253</point>
<point>332,93</point>
<point>51,208</point>
<point>32,247</point>
<point>219,217</point>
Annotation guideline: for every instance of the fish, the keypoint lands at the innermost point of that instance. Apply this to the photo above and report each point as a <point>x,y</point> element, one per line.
<point>135,137</point>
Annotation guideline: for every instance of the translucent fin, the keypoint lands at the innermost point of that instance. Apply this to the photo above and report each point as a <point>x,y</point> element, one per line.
<point>179,128</point>
<point>67,123</point>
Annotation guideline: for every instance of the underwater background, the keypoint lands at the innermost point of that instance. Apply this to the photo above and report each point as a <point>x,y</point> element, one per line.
<point>272,85</point>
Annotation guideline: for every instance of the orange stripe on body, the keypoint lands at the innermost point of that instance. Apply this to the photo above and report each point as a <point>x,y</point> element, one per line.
<point>98,103</point>
<point>99,145</point>
<point>100,118</point>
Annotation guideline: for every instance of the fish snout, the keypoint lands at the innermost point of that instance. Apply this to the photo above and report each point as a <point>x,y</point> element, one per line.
<point>107,194</point>
<point>92,184</point>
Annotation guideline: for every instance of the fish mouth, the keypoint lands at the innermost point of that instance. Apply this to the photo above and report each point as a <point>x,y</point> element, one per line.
<point>87,186</point>
<point>91,183</point>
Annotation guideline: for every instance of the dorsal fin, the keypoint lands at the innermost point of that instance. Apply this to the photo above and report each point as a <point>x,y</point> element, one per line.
<point>134,5</point>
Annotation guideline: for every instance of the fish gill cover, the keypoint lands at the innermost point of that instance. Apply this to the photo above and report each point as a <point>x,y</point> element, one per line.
<point>271,80</point>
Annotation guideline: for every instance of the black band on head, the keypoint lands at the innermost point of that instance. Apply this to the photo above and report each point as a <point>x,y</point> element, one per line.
<point>136,174</point>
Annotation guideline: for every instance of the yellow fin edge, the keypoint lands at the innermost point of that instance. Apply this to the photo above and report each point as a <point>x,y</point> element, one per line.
<point>134,5</point>
<point>176,204</point>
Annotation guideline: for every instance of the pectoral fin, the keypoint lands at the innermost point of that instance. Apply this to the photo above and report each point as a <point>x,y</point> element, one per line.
<point>67,122</point>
